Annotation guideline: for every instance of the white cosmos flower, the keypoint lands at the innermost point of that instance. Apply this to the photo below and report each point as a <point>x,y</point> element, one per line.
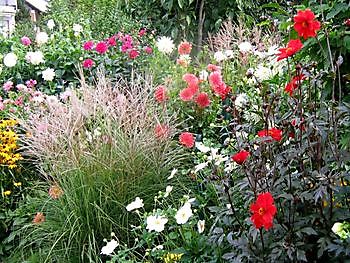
<point>219,56</point>
<point>35,58</point>
<point>173,172</point>
<point>10,60</point>
<point>51,24</point>
<point>41,38</point>
<point>156,223</point>
<point>200,226</point>
<point>201,147</point>
<point>183,214</point>
<point>168,190</point>
<point>245,47</point>
<point>109,247</point>
<point>165,45</point>
<point>48,74</point>
<point>138,203</point>
<point>241,100</point>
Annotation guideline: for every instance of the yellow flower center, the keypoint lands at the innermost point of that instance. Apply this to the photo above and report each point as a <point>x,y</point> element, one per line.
<point>261,211</point>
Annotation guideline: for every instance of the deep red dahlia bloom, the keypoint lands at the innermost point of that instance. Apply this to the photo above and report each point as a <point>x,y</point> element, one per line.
<point>187,139</point>
<point>184,48</point>
<point>263,211</point>
<point>160,94</point>
<point>275,133</point>
<point>222,90</point>
<point>88,45</point>
<point>294,84</point>
<point>101,47</point>
<point>293,46</point>
<point>241,156</point>
<point>305,24</point>
<point>203,100</point>
<point>88,63</point>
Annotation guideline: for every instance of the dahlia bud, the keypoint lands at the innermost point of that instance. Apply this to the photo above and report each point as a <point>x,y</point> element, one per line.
<point>347,22</point>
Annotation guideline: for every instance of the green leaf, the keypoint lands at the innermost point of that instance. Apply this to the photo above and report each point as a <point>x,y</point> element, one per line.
<point>188,19</point>
<point>180,3</point>
<point>341,7</point>
<point>309,231</point>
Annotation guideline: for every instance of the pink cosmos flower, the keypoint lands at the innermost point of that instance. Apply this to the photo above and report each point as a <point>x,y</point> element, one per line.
<point>31,83</point>
<point>26,41</point>
<point>7,86</point>
<point>133,54</point>
<point>142,32</point>
<point>101,47</point>
<point>89,45</point>
<point>88,63</point>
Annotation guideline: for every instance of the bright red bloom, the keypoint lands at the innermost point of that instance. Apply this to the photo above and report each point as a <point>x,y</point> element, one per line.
<point>88,63</point>
<point>184,48</point>
<point>88,45</point>
<point>101,47</point>
<point>223,90</point>
<point>305,24</point>
<point>263,211</point>
<point>202,100</point>
<point>187,139</point>
<point>133,54</point>
<point>161,131</point>
<point>160,94</point>
<point>275,133</point>
<point>241,156</point>
<point>294,84</point>
<point>293,46</point>
<point>347,22</point>
<point>213,68</point>
<point>187,94</point>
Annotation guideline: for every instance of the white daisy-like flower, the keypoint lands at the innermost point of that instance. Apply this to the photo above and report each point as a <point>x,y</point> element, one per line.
<point>35,58</point>
<point>138,203</point>
<point>245,47</point>
<point>200,226</point>
<point>10,60</point>
<point>263,73</point>
<point>165,45</point>
<point>168,190</point>
<point>200,166</point>
<point>156,223</point>
<point>241,100</point>
<point>41,38</point>
<point>229,53</point>
<point>183,214</point>
<point>109,247</point>
<point>219,56</point>
<point>48,74</point>
<point>51,24</point>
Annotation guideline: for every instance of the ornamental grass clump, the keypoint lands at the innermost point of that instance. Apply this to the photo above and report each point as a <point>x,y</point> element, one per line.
<point>99,148</point>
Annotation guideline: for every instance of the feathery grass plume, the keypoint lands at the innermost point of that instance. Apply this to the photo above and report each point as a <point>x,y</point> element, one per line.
<point>100,148</point>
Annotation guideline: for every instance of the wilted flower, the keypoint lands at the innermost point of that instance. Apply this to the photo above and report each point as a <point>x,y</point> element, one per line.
<point>165,45</point>
<point>138,203</point>
<point>48,74</point>
<point>183,214</point>
<point>10,60</point>
<point>41,38</point>
<point>39,218</point>
<point>156,223</point>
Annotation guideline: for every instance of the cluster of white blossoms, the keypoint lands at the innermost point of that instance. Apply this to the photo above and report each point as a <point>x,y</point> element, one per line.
<point>77,29</point>
<point>220,56</point>
<point>165,45</point>
<point>41,38</point>
<point>35,58</point>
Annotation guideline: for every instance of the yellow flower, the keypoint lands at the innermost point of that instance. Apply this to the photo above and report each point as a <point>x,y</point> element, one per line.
<point>6,193</point>
<point>17,184</point>
<point>172,257</point>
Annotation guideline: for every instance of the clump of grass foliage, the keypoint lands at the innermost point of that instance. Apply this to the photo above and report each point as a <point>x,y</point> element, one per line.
<point>100,149</point>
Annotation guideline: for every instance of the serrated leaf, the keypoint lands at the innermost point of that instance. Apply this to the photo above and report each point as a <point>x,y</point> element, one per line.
<point>341,7</point>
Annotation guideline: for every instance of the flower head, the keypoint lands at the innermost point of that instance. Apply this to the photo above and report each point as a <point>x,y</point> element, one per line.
<point>187,139</point>
<point>39,218</point>
<point>35,58</point>
<point>55,191</point>
<point>88,63</point>
<point>187,94</point>
<point>77,29</point>
<point>109,247</point>
<point>48,74</point>
<point>156,223</point>
<point>25,41</point>
<point>88,45</point>
<point>161,131</point>
<point>148,50</point>
<point>202,100</point>
<point>245,47</point>
<point>241,156</point>
<point>200,226</point>
<point>138,203</point>
<point>50,24</point>
<point>305,24</point>
<point>294,84</point>
<point>183,214</point>
<point>219,56</point>
<point>165,45</point>
<point>263,211</point>
<point>41,38</point>
<point>134,53</point>
<point>101,47</point>
<point>275,133</point>
<point>8,85</point>
<point>184,48</point>
<point>160,94</point>
<point>293,46</point>
<point>10,60</point>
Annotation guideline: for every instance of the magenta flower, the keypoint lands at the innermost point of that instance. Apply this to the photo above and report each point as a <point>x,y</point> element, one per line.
<point>89,45</point>
<point>88,63</point>
<point>26,41</point>
<point>101,47</point>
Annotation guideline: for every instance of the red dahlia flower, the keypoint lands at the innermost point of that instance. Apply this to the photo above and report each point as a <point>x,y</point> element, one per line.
<point>263,211</point>
<point>294,84</point>
<point>88,63</point>
<point>101,47</point>
<point>133,54</point>
<point>187,94</point>
<point>275,133</point>
<point>112,41</point>
<point>223,90</point>
<point>305,24</point>
<point>184,48</point>
<point>187,139</point>
<point>241,156</point>
<point>293,46</point>
<point>88,45</point>
<point>160,94</point>
<point>202,100</point>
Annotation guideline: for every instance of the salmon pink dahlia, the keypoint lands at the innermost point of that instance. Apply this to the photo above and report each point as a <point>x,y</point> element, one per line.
<point>160,94</point>
<point>202,100</point>
<point>184,48</point>
<point>263,211</point>
<point>293,46</point>
<point>187,94</point>
<point>191,79</point>
<point>187,139</point>
<point>305,24</point>
<point>241,156</point>
<point>161,131</point>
